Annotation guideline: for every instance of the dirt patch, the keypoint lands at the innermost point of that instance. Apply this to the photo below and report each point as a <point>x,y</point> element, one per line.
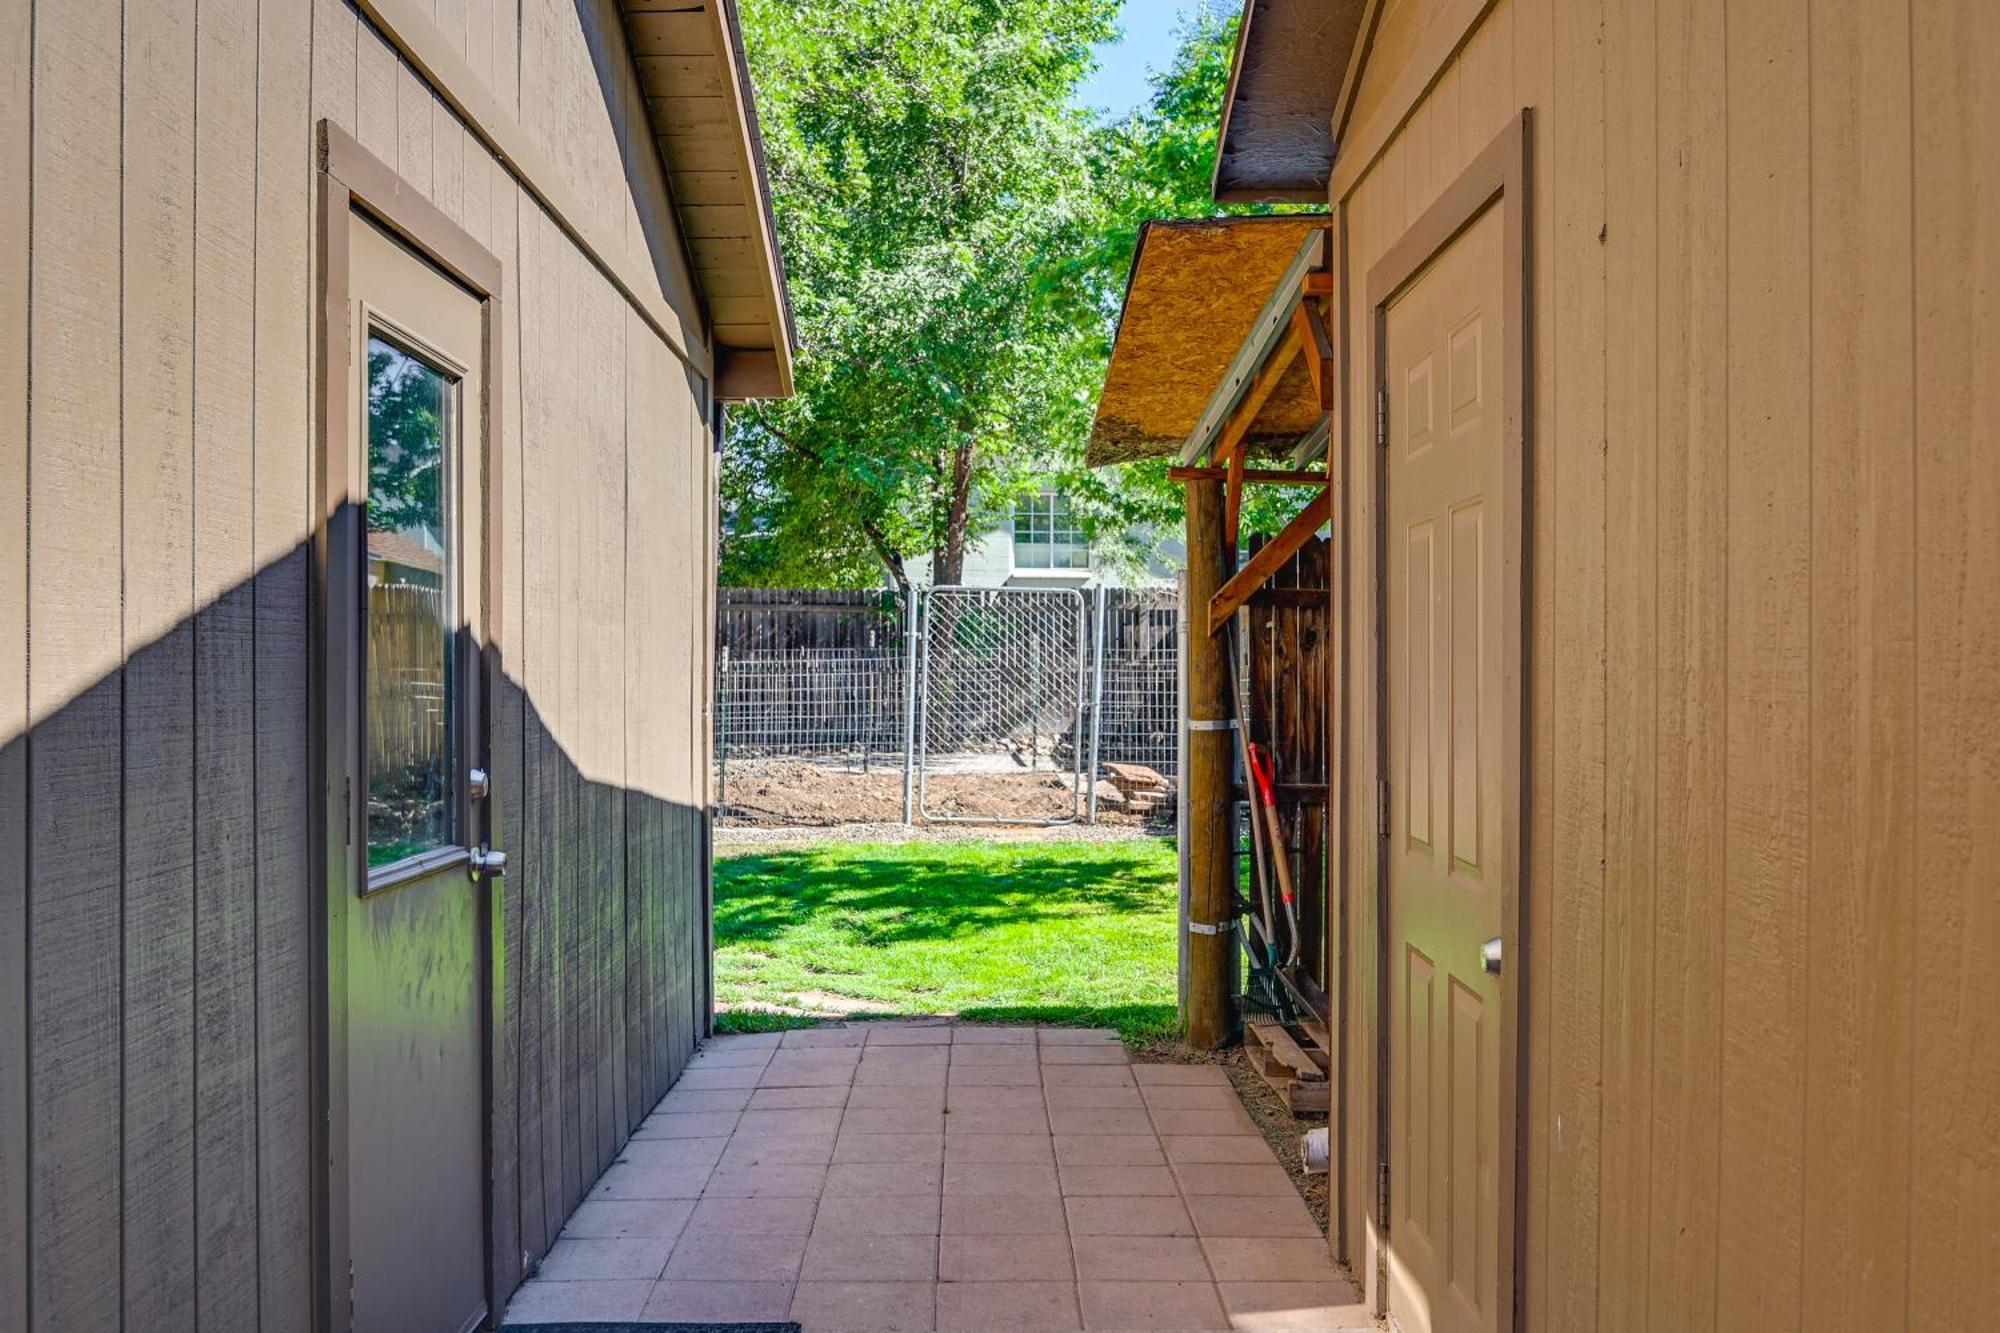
<point>787,792</point>
<point>1281,1129</point>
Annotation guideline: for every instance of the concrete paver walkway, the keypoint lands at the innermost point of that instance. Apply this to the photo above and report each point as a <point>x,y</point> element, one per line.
<point>930,1175</point>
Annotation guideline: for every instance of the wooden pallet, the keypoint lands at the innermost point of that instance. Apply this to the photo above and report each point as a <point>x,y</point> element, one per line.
<point>1297,1075</point>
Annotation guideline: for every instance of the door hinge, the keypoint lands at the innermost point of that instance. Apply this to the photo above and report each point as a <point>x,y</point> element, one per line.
<point>1382,417</point>
<point>1382,808</point>
<point>347,812</point>
<point>1382,1192</point>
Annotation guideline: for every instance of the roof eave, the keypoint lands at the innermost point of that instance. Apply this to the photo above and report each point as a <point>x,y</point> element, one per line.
<point>702,117</point>
<point>1276,142</point>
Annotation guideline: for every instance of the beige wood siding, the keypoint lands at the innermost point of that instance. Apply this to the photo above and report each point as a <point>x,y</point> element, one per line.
<point>157,295</point>
<point>1763,1083</point>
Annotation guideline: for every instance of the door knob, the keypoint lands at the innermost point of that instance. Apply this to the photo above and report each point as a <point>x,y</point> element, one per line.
<point>487,862</point>
<point>478,785</point>
<point>1489,957</point>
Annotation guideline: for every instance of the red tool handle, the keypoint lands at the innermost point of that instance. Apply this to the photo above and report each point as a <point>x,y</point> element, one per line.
<point>1262,774</point>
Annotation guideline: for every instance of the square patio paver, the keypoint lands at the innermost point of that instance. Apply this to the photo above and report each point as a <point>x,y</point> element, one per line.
<point>545,1301</point>
<point>841,1254</point>
<point>1296,1307</point>
<point>1007,1307</point>
<point>728,1302</point>
<point>1004,1258</point>
<point>1162,1306</point>
<point>629,1219</point>
<point>866,1307</point>
<point>1139,1258</point>
<point>718,1256</point>
<point>574,1259</point>
<point>1131,1215</point>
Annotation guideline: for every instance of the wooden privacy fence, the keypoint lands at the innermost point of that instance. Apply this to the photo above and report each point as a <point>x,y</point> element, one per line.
<point>809,620</point>
<point>408,704</point>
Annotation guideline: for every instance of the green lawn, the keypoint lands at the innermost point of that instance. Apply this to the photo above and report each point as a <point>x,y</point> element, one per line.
<point>1053,932</point>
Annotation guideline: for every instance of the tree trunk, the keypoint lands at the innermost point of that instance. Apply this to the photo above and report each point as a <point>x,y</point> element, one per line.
<point>948,559</point>
<point>886,553</point>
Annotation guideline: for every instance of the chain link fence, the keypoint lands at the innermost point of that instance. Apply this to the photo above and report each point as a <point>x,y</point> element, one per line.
<point>984,705</point>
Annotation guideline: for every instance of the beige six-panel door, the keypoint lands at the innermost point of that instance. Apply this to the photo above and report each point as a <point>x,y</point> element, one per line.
<point>1443,477</point>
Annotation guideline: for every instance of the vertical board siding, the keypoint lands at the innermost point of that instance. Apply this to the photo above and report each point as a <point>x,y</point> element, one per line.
<point>1761,1089</point>
<point>158,1267</point>
<point>225,792</point>
<point>74,692</point>
<point>1863,641</point>
<point>281,531</point>
<point>16,68</point>
<point>1692,556</point>
<point>1631,222</point>
<point>1770,464</point>
<point>1954,1180</point>
<point>156,497</point>
<point>1573,458</point>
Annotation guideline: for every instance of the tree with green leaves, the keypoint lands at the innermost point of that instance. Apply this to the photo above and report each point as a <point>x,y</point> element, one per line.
<point>926,168</point>
<point>956,234</point>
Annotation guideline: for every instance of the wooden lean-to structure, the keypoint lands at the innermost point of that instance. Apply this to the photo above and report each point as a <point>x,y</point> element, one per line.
<point>1224,362</point>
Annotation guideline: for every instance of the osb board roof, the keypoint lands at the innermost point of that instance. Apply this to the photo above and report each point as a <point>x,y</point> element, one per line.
<point>1194,293</point>
<point>689,55</point>
<point>1277,120</point>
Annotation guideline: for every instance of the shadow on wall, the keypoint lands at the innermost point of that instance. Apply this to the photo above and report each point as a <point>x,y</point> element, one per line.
<point>156,951</point>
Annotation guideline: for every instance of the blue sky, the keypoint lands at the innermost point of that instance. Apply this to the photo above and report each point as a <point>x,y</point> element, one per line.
<point>1120,81</point>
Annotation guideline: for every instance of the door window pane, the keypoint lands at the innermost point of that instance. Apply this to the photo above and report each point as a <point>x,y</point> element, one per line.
<point>411,606</point>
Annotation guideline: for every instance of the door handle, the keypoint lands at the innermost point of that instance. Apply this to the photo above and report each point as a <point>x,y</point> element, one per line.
<point>1489,957</point>
<point>488,863</point>
<point>477,785</point>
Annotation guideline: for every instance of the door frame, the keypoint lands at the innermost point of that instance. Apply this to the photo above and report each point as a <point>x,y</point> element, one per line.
<point>1499,177</point>
<point>352,181</point>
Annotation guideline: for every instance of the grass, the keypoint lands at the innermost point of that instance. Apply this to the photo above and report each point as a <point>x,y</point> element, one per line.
<point>1048,932</point>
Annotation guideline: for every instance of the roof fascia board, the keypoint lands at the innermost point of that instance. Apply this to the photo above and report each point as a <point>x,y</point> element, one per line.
<point>1272,323</point>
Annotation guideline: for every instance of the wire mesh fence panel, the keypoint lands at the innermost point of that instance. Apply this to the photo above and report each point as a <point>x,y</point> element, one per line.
<point>1139,691</point>
<point>1001,692</point>
<point>833,703</point>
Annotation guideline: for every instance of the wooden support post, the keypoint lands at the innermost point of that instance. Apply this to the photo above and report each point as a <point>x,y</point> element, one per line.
<point>1211,941</point>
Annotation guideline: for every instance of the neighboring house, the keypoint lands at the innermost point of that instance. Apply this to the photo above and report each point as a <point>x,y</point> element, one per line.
<point>1658,346</point>
<point>1042,544</point>
<point>357,530</point>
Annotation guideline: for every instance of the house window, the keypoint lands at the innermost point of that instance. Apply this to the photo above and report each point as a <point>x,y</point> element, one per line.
<point>1047,534</point>
<point>411,674</point>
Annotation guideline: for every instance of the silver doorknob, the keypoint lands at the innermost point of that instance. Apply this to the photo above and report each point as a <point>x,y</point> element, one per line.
<point>1489,957</point>
<point>488,863</point>
<point>478,785</point>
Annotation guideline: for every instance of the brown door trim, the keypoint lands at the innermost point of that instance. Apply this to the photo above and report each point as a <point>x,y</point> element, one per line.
<point>1497,178</point>
<point>351,179</point>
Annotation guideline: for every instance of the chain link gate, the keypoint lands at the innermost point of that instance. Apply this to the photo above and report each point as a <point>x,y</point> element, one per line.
<point>1002,682</point>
